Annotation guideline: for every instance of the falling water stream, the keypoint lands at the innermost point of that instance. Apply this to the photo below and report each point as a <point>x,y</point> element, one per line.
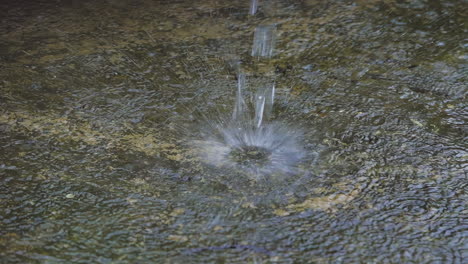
<point>251,140</point>
<point>270,131</point>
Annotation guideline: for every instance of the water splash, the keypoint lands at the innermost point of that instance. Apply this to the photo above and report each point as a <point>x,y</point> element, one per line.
<point>250,141</point>
<point>267,151</point>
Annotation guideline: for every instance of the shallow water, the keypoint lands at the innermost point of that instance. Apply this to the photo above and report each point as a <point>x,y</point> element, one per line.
<point>100,101</point>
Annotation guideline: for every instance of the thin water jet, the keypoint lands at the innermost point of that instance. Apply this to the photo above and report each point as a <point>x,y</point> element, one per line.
<point>253,7</point>
<point>264,41</point>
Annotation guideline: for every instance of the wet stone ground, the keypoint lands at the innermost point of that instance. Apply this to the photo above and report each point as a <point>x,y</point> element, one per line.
<point>99,99</point>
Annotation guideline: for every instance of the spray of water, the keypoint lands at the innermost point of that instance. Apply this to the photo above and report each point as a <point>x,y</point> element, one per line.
<point>250,140</point>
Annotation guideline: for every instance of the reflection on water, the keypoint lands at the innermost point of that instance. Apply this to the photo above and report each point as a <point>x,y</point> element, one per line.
<point>99,98</point>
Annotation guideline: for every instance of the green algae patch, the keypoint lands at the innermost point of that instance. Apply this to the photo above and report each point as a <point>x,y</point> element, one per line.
<point>324,203</point>
<point>178,238</point>
<point>64,130</point>
<point>341,194</point>
<point>53,126</point>
<point>142,143</point>
<point>151,145</point>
